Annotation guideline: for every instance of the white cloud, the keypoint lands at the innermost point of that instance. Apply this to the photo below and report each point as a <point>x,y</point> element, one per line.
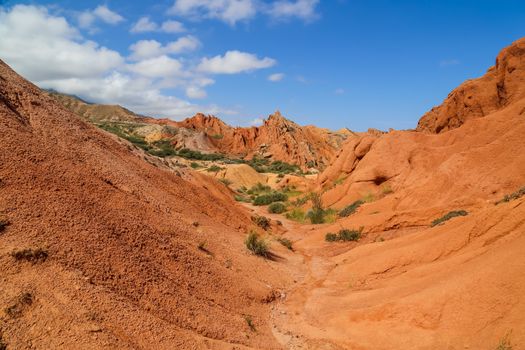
<point>303,9</point>
<point>151,48</point>
<point>195,92</point>
<point>339,91</point>
<point>42,46</point>
<point>234,62</point>
<point>47,50</point>
<point>144,24</point>
<point>256,122</point>
<point>233,11</point>
<point>183,44</point>
<point>158,67</point>
<point>106,15</point>
<point>229,11</point>
<point>172,27</point>
<point>86,19</point>
<point>276,77</point>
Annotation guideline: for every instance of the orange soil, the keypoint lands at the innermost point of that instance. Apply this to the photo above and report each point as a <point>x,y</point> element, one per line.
<point>124,269</point>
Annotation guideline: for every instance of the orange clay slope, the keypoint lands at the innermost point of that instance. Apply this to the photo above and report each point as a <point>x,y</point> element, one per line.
<point>137,257</point>
<point>406,285</point>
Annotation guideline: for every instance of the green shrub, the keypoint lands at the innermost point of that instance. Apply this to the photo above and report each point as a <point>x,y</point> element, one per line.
<point>32,255</point>
<point>386,189</point>
<point>344,235</point>
<point>196,155</point>
<point>369,197</point>
<point>277,208</point>
<point>316,214</point>
<point>261,221</point>
<point>448,216</point>
<point>249,322</point>
<point>510,197</point>
<point>504,343</point>
<point>296,214</point>
<point>269,198</point>
<point>242,199</point>
<point>349,235</point>
<point>214,169</point>
<point>331,237</point>
<point>195,165</point>
<point>257,245</point>
<point>259,188</point>
<point>217,136</point>
<point>3,224</point>
<point>285,242</point>
<point>225,181</point>
<point>349,210</point>
<point>22,302</point>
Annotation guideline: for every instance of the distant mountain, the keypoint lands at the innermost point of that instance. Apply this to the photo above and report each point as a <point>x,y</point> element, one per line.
<point>278,139</point>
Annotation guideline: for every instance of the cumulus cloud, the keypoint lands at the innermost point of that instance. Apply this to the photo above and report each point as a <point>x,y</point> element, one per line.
<point>233,62</point>
<point>151,48</point>
<point>102,12</point>
<point>47,50</point>
<point>276,77</point>
<point>195,92</point>
<point>303,9</point>
<point>233,11</point>
<point>42,46</point>
<point>172,27</point>
<point>229,11</point>
<point>106,15</point>
<point>157,67</point>
<point>144,24</point>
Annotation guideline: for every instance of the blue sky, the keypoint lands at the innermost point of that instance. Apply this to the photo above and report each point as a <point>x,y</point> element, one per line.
<point>337,63</point>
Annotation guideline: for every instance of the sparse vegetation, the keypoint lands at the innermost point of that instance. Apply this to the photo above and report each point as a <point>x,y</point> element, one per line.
<point>196,155</point>
<point>296,214</point>
<point>317,213</point>
<point>32,255</point>
<point>249,322</point>
<point>261,221</point>
<point>277,208</point>
<point>3,224</point>
<point>195,165</point>
<point>352,208</point>
<point>269,198</point>
<point>504,343</point>
<point>214,169</point>
<point>344,235</point>
<point>513,196</point>
<point>22,301</point>
<point>217,136</point>
<point>240,198</point>
<point>386,189</point>
<point>340,180</point>
<point>225,181</point>
<point>3,345</point>
<point>369,197</point>
<point>285,242</point>
<point>448,216</point>
<point>263,165</point>
<point>257,245</point>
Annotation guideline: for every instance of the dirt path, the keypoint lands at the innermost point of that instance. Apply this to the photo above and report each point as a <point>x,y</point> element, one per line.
<point>289,323</point>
